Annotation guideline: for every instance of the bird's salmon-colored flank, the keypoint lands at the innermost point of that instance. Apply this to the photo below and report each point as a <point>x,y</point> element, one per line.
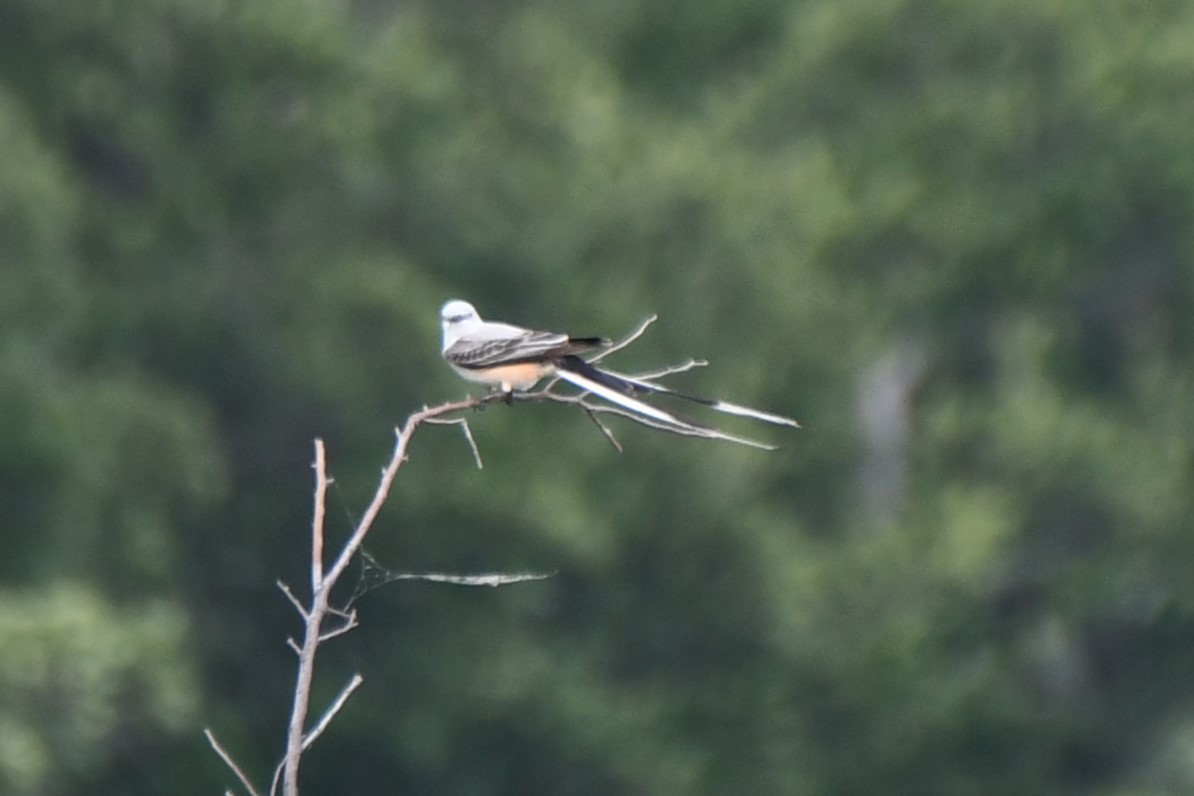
<point>519,376</point>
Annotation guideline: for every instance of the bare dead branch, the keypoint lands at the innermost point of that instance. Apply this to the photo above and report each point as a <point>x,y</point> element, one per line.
<point>324,581</point>
<point>609,435</point>
<point>344,613</point>
<point>313,635</point>
<point>681,367</point>
<point>635,334</point>
<point>332,710</point>
<point>324,578</point>
<point>350,621</point>
<point>321,488</point>
<point>298,606</point>
<point>476,579</point>
<point>228,761</point>
<point>468,434</point>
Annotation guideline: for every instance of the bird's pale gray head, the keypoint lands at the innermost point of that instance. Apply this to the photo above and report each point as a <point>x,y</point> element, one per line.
<point>459,318</point>
<point>456,311</point>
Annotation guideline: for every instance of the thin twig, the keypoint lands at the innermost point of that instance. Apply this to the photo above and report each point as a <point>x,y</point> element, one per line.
<point>670,369</point>
<point>321,488</point>
<point>627,340</point>
<point>468,434</point>
<point>298,606</point>
<point>609,435</point>
<point>228,761</point>
<point>349,624</point>
<point>332,710</point>
<point>475,579</point>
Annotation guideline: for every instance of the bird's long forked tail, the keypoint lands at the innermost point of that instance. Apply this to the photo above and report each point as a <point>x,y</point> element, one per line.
<point>629,385</point>
<point>620,390</point>
<point>642,385</point>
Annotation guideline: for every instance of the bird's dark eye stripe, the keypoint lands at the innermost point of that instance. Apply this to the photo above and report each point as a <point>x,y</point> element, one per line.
<point>456,318</point>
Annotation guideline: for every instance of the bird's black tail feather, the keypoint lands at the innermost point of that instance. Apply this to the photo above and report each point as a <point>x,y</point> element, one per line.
<point>604,378</point>
<point>631,386</point>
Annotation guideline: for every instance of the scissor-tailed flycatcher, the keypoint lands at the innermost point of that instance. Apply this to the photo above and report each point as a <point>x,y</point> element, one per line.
<point>513,358</point>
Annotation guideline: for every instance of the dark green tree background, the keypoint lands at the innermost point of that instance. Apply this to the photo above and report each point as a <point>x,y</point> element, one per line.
<point>957,240</point>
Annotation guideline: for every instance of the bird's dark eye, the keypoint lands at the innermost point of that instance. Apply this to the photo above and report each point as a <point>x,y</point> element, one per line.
<point>456,318</point>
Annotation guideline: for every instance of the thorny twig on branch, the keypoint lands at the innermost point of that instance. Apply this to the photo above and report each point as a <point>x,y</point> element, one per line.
<point>299,737</point>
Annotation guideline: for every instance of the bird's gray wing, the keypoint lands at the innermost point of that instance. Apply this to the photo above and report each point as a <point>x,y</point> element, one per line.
<point>485,351</point>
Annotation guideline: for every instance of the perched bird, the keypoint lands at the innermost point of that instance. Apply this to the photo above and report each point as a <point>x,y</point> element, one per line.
<point>513,358</point>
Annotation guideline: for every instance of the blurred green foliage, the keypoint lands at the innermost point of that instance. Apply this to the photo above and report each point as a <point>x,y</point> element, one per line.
<point>957,240</point>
